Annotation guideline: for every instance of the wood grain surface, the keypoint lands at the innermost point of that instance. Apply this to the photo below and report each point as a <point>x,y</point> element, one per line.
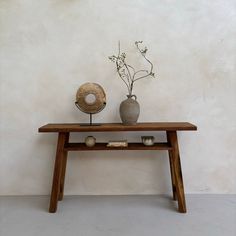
<point>153,126</point>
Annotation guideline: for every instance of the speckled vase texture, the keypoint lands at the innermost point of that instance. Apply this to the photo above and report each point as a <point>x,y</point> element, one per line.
<point>129,110</point>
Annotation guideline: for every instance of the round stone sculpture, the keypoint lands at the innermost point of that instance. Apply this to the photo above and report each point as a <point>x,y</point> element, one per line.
<point>90,98</point>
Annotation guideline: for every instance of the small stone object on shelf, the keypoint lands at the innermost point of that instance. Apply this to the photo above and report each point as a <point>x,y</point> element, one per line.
<point>118,143</point>
<point>148,140</point>
<point>90,141</point>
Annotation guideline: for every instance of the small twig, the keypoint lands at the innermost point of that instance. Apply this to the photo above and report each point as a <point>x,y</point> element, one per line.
<point>129,77</point>
<point>139,72</point>
<point>131,68</point>
<point>118,70</point>
<point>143,54</point>
<point>122,78</point>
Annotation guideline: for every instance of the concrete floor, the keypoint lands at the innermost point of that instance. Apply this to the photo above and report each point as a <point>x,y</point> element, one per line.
<point>118,215</point>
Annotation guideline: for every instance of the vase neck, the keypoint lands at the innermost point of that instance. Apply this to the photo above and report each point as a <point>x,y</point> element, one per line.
<point>132,96</point>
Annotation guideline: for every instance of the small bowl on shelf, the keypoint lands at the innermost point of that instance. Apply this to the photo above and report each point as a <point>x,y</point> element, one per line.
<point>148,140</point>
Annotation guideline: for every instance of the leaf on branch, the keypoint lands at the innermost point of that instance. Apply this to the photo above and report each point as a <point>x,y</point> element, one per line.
<point>120,63</point>
<point>123,55</point>
<point>144,51</point>
<point>152,74</point>
<point>137,42</point>
<point>112,58</point>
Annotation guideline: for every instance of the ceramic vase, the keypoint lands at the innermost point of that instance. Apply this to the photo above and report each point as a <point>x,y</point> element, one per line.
<point>129,110</point>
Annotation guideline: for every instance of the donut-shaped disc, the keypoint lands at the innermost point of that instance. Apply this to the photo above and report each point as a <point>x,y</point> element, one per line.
<point>90,98</point>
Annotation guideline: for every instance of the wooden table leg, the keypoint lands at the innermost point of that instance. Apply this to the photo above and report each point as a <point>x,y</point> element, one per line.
<point>176,165</point>
<point>63,170</point>
<point>57,172</point>
<point>172,171</point>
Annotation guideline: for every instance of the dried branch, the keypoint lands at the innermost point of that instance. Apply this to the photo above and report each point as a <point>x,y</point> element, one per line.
<point>124,69</point>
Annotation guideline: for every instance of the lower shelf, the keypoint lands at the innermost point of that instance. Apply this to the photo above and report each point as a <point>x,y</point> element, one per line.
<point>103,146</point>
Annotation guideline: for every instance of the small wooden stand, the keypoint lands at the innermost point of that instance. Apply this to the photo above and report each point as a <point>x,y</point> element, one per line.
<point>63,146</point>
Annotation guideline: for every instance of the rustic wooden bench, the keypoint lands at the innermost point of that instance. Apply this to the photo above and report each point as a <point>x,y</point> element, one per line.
<point>171,145</point>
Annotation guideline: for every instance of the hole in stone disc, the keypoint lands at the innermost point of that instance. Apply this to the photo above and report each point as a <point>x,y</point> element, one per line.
<point>90,99</point>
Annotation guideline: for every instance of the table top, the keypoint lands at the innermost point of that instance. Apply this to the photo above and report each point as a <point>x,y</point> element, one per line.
<point>109,127</point>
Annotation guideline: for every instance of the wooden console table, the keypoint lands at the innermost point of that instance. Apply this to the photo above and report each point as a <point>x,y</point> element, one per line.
<point>171,145</point>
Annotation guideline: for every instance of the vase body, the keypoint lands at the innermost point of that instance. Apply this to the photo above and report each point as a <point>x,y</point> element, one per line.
<point>129,110</point>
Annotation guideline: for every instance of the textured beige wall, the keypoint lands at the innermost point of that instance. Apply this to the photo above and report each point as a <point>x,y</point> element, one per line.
<point>50,47</point>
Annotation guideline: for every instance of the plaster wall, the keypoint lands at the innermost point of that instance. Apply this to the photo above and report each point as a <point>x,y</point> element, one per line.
<point>49,48</point>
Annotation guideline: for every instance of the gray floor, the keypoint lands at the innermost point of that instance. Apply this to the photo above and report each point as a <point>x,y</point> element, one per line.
<point>119,215</point>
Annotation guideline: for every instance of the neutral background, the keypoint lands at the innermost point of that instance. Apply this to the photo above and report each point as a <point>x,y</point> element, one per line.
<point>50,47</point>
